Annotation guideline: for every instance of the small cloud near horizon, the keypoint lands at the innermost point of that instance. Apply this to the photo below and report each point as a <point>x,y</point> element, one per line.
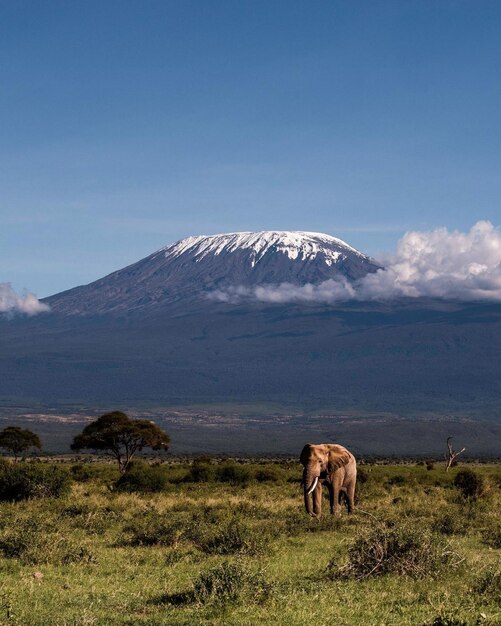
<point>439,263</point>
<point>24,303</point>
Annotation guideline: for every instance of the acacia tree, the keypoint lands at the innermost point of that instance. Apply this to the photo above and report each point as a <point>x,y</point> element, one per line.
<point>121,437</point>
<point>16,440</point>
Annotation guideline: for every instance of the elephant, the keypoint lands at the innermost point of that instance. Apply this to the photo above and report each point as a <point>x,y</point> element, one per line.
<point>333,465</point>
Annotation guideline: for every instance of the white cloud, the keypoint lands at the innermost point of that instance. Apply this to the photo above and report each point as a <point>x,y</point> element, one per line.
<point>26,302</point>
<point>439,264</point>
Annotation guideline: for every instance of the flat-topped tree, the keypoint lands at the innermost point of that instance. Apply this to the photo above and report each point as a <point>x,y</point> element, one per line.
<point>16,440</point>
<point>120,436</point>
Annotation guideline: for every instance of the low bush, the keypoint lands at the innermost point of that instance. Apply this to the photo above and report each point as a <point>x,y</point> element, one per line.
<point>489,582</point>
<point>442,620</point>
<point>469,484</point>
<point>268,475</point>
<point>229,582</point>
<point>92,519</point>
<point>201,472</point>
<point>235,538</point>
<point>234,474</point>
<point>491,536</point>
<point>401,550</point>
<point>151,528</point>
<point>34,543</point>
<point>362,476</point>
<point>143,478</point>
<point>81,473</point>
<point>455,523</point>
<point>396,480</point>
<point>27,480</point>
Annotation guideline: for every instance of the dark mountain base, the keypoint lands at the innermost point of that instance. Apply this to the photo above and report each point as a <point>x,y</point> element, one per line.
<point>416,360</point>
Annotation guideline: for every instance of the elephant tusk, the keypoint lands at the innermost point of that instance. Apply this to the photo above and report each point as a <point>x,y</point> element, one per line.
<point>313,486</point>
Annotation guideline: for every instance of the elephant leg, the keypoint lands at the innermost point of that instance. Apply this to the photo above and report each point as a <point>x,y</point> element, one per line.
<point>350,493</point>
<point>317,500</point>
<point>331,496</point>
<point>336,487</point>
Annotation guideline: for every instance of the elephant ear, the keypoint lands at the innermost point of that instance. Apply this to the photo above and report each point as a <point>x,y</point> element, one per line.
<point>305,454</point>
<point>337,457</point>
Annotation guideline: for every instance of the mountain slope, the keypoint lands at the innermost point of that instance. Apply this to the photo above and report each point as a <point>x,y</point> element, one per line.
<point>148,336</point>
<point>195,266</point>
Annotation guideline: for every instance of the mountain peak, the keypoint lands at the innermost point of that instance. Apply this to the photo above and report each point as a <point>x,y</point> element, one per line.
<point>295,244</point>
<point>195,266</point>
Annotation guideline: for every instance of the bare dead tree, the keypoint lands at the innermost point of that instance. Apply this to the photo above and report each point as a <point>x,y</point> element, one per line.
<point>451,455</point>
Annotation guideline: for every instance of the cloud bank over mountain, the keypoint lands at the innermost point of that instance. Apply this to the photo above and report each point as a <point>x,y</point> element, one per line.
<point>26,302</point>
<point>438,264</point>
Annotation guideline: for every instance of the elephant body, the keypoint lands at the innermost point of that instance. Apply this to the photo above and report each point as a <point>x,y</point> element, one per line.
<point>333,465</point>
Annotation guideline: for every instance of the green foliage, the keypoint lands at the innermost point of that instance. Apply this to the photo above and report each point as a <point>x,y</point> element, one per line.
<point>229,582</point>
<point>24,481</point>
<point>236,537</point>
<point>446,621</point>
<point>491,535</point>
<point>453,523</point>
<point>16,440</point>
<point>268,475</point>
<point>404,550</point>
<point>33,543</point>
<point>143,478</point>
<point>234,474</point>
<point>296,522</point>
<point>105,556</point>
<point>201,471</point>
<point>362,476</point>
<point>489,582</point>
<point>396,480</point>
<point>469,484</point>
<point>81,473</point>
<point>154,529</point>
<point>121,437</point>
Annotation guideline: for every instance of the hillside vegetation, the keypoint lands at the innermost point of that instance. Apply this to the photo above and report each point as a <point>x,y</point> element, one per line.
<point>230,543</point>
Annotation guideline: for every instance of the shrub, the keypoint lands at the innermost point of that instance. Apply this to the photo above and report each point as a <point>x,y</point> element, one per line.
<point>150,529</point>
<point>362,476</point>
<point>34,543</point>
<point>401,550</point>
<point>90,518</point>
<point>446,621</point>
<point>142,477</point>
<point>491,536</point>
<point>453,524</point>
<point>489,582</point>
<point>469,484</point>
<point>235,538</point>
<point>229,582</point>
<point>201,472</point>
<point>396,480</point>
<point>80,472</point>
<point>234,474</point>
<point>430,465</point>
<point>267,475</point>
<point>21,482</point>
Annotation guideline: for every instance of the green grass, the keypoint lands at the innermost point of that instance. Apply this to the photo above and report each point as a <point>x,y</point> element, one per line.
<point>241,554</point>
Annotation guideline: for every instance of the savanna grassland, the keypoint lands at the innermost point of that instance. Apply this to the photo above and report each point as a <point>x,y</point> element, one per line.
<point>229,543</point>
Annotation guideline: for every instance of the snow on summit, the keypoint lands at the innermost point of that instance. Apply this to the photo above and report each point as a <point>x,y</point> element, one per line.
<point>201,265</point>
<point>294,244</point>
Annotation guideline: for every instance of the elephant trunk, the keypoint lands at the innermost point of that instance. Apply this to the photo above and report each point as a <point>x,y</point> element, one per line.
<point>309,484</point>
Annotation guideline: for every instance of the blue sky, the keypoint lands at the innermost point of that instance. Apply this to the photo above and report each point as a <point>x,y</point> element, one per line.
<point>128,125</point>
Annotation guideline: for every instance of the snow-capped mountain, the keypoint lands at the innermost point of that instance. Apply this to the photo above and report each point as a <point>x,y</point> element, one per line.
<point>196,266</point>
<point>149,336</point>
